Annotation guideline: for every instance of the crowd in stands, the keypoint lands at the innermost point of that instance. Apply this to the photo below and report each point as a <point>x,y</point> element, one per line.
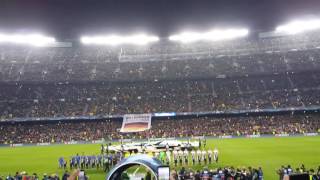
<point>61,132</point>
<point>34,176</point>
<point>103,99</point>
<point>249,173</point>
<point>183,174</point>
<point>281,72</point>
<point>285,171</point>
<point>161,61</point>
<point>225,173</point>
<point>70,69</point>
<point>244,74</point>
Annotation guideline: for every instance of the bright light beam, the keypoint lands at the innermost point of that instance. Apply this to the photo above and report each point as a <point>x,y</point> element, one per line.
<point>28,39</point>
<point>299,26</point>
<point>214,35</point>
<point>114,40</point>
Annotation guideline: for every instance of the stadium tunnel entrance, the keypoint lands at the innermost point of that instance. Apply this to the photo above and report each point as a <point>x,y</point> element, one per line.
<point>151,164</point>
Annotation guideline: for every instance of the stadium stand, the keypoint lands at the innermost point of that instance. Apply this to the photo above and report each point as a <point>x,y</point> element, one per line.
<point>247,74</point>
<point>112,98</point>
<point>61,132</point>
<point>271,76</point>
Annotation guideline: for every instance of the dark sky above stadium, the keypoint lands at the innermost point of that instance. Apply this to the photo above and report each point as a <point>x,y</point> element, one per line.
<point>72,18</point>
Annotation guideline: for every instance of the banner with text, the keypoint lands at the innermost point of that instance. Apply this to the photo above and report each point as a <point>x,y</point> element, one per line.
<point>136,122</point>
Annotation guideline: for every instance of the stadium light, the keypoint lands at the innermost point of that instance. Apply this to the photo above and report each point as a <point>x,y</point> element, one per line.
<point>28,39</point>
<point>299,26</point>
<point>114,40</point>
<point>214,35</point>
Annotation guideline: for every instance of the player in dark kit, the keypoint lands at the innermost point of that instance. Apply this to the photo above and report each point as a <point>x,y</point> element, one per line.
<point>87,161</point>
<point>82,162</point>
<point>77,160</point>
<point>71,163</point>
<point>102,149</point>
<point>61,162</point>
<point>65,164</point>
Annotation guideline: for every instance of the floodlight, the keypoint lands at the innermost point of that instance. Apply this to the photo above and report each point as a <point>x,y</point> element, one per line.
<point>214,35</point>
<point>114,40</point>
<point>299,26</point>
<point>29,39</point>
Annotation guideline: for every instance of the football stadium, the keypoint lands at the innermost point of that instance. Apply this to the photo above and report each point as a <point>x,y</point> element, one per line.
<point>86,93</point>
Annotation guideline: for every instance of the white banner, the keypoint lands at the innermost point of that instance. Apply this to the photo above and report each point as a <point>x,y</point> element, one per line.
<point>136,122</point>
<point>43,144</point>
<point>253,136</point>
<point>281,135</point>
<point>225,137</point>
<point>310,134</point>
<point>16,145</point>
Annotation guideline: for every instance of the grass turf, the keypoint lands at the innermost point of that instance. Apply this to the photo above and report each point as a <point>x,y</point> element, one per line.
<point>269,153</point>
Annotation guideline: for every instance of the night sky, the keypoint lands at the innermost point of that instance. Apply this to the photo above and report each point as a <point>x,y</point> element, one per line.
<point>69,19</point>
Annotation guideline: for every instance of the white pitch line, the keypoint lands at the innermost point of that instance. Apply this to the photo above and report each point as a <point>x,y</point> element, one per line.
<point>134,173</point>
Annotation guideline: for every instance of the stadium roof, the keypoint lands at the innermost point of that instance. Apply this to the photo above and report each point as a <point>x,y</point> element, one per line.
<point>71,19</point>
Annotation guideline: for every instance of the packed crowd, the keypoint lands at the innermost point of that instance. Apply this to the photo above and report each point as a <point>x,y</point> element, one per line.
<point>34,176</point>
<point>161,60</point>
<point>280,72</point>
<point>191,67</point>
<point>285,171</point>
<point>226,173</point>
<point>102,99</point>
<point>242,173</point>
<point>183,174</point>
<point>61,132</point>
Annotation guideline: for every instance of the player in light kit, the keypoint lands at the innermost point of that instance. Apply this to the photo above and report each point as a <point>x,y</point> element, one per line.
<point>168,154</point>
<point>145,149</point>
<point>167,147</point>
<point>175,158</point>
<point>215,155</point>
<point>193,154</point>
<point>199,156</point>
<point>157,155</point>
<point>186,155</point>
<point>180,157</point>
<point>204,156</point>
<point>210,156</point>
<point>168,157</point>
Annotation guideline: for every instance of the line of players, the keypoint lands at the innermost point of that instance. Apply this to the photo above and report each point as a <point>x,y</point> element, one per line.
<point>86,162</point>
<point>182,157</point>
<point>106,161</point>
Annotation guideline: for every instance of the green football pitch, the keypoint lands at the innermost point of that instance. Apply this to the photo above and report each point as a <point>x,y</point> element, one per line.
<point>269,153</point>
